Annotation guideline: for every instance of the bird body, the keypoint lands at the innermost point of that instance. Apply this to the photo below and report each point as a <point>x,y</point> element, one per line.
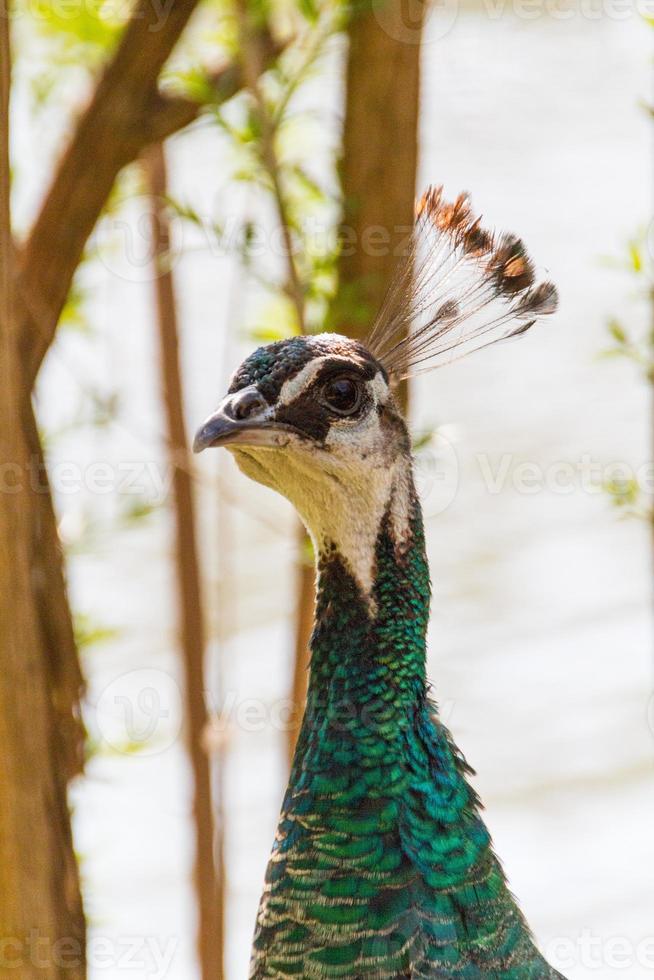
<point>382,866</point>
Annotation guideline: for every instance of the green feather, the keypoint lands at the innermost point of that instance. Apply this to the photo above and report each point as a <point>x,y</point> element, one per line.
<point>382,866</point>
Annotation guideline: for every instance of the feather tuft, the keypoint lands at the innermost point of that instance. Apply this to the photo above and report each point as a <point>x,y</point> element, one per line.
<point>460,288</point>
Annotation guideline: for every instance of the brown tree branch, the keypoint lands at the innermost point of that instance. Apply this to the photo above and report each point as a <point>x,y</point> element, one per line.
<point>252,58</point>
<point>114,121</point>
<point>125,113</point>
<point>304,613</point>
<point>192,633</point>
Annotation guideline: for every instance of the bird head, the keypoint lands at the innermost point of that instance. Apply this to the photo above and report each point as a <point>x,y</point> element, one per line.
<point>315,417</point>
<point>320,402</point>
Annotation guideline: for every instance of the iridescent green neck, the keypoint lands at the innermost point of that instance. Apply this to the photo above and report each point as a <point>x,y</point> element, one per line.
<point>382,866</point>
<point>369,651</point>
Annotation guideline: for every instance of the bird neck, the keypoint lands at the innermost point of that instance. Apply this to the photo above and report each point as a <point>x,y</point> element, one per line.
<point>368,648</point>
<point>382,863</point>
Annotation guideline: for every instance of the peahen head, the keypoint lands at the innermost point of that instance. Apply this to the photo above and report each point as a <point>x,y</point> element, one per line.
<point>315,418</point>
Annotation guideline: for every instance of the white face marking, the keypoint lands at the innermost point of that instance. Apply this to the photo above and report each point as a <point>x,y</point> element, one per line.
<point>303,379</point>
<point>306,376</point>
<point>341,491</point>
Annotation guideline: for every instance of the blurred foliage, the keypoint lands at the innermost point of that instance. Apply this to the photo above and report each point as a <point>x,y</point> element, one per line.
<point>273,124</point>
<point>81,34</point>
<point>630,498</point>
<point>89,633</point>
<point>80,39</point>
<point>637,261</point>
<point>423,439</point>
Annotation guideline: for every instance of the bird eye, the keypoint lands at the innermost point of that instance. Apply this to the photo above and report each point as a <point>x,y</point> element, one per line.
<point>342,395</point>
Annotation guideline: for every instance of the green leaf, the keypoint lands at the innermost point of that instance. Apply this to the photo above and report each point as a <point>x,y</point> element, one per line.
<point>618,332</point>
<point>635,256</point>
<point>423,439</point>
<point>138,510</point>
<point>309,10</point>
<point>269,334</point>
<point>89,633</point>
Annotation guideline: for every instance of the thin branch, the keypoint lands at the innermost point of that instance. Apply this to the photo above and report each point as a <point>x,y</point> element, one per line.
<point>253,61</point>
<point>192,632</point>
<point>251,56</point>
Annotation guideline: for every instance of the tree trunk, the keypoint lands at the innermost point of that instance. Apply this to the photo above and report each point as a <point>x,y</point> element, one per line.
<point>192,634</point>
<point>41,921</point>
<point>380,156</point>
<point>378,181</point>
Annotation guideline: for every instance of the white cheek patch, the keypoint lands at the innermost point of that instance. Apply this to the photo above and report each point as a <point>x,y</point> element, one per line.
<point>296,385</point>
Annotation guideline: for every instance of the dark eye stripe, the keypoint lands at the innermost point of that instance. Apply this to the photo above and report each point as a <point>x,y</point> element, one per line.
<point>308,413</point>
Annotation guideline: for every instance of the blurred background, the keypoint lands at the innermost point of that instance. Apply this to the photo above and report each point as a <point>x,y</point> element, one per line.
<point>534,458</point>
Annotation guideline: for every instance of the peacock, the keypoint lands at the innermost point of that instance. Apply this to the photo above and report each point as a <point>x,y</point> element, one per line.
<point>382,865</point>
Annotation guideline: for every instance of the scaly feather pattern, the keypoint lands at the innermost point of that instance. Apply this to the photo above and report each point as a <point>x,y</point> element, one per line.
<point>382,866</point>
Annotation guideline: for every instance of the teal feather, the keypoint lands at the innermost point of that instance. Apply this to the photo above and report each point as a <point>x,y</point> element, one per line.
<point>382,866</point>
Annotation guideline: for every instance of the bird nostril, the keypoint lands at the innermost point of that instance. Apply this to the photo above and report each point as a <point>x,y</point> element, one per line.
<point>248,404</point>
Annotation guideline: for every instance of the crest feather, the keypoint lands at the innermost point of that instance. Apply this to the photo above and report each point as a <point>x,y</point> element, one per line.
<point>459,289</point>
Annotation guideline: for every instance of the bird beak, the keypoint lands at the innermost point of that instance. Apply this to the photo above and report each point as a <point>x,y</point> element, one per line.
<point>241,421</point>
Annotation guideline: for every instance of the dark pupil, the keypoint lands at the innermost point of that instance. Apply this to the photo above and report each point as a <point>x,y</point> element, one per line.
<point>341,394</point>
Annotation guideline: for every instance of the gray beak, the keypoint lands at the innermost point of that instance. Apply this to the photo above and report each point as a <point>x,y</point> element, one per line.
<point>242,418</point>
